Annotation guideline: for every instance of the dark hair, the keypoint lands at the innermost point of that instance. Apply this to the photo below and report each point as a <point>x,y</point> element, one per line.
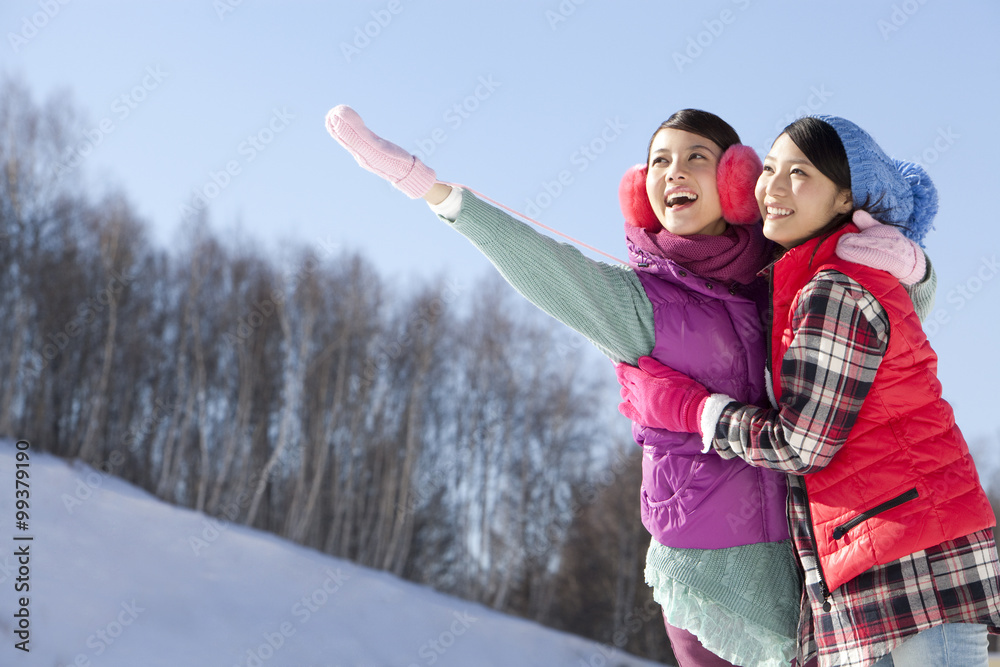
<point>699,122</point>
<point>821,145</point>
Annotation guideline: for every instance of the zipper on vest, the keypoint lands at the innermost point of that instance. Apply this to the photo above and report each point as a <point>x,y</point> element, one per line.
<point>842,529</point>
<point>768,326</point>
<point>827,605</point>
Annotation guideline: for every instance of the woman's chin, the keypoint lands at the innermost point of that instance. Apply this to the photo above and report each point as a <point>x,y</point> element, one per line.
<point>691,227</point>
<point>773,232</point>
<point>679,230</point>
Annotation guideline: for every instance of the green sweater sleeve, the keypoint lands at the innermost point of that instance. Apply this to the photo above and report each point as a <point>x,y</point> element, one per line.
<point>922,293</point>
<point>606,303</point>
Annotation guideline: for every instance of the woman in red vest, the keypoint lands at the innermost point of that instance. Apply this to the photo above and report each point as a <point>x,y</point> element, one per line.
<point>892,528</point>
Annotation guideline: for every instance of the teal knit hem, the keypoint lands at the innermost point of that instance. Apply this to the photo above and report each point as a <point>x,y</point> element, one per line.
<point>742,603</point>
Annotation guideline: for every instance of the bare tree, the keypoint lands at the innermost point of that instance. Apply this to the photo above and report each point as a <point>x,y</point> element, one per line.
<point>116,232</point>
<point>436,433</point>
<point>294,373</point>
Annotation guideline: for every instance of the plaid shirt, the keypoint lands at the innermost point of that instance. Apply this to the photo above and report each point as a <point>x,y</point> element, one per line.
<point>842,333</point>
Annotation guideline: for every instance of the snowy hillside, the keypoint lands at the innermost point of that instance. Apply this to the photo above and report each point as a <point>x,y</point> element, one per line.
<point>118,578</point>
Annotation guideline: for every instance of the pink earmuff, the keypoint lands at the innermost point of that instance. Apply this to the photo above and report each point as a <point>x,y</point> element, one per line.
<point>736,176</point>
<point>635,202</point>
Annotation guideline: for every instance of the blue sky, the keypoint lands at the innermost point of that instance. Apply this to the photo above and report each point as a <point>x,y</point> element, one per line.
<point>540,105</point>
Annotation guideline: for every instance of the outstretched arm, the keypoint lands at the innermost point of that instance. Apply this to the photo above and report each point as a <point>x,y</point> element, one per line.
<point>606,303</point>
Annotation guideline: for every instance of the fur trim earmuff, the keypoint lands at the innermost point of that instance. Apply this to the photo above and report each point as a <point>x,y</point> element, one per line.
<point>736,177</point>
<point>635,202</point>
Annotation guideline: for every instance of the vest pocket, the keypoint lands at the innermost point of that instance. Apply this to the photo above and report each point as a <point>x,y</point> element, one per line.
<point>842,529</point>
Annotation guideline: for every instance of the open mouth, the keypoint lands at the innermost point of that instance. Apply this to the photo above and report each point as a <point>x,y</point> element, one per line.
<point>679,199</point>
<point>776,212</point>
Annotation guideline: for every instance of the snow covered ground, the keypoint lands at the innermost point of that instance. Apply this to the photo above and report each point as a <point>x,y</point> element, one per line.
<point>118,578</point>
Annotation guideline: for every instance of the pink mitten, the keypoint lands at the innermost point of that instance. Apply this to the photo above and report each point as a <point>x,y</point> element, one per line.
<point>658,396</point>
<point>377,155</point>
<point>883,247</point>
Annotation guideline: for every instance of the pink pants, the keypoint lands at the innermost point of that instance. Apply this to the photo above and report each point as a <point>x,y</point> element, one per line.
<point>689,652</point>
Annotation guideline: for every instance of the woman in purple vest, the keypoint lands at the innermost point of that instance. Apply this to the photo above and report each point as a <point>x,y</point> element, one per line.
<point>720,561</point>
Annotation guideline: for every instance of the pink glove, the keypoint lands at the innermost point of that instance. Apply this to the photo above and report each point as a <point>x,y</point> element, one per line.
<point>658,396</point>
<point>883,247</point>
<point>377,155</point>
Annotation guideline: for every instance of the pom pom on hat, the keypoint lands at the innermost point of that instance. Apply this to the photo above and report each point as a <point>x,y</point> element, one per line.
<point>925,201</point>
<point>903,190</point>
<point>736,177</point>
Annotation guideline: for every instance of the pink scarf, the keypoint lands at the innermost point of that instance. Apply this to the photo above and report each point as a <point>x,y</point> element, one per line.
<point>736,255</point>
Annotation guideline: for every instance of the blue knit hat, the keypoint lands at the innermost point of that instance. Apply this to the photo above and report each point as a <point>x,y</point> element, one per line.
<point>902,189</point>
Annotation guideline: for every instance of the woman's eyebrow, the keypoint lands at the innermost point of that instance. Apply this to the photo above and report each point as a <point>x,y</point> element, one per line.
<point>689,148</point>
<point>794,160</point>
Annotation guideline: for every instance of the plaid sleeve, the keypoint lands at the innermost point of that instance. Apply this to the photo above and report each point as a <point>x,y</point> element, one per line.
<point>841,335</point>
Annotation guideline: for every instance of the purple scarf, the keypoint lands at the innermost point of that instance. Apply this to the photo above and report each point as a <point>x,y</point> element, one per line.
<point>736,255</point>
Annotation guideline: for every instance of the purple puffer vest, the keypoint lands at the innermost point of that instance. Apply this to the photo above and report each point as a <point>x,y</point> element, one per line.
<point>690,499</point>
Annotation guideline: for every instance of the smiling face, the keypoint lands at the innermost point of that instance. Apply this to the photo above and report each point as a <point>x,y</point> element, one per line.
<point>681,183</point>
<point>795,198</point>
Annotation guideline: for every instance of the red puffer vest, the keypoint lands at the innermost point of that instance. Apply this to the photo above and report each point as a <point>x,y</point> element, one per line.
<point>904,480</point>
